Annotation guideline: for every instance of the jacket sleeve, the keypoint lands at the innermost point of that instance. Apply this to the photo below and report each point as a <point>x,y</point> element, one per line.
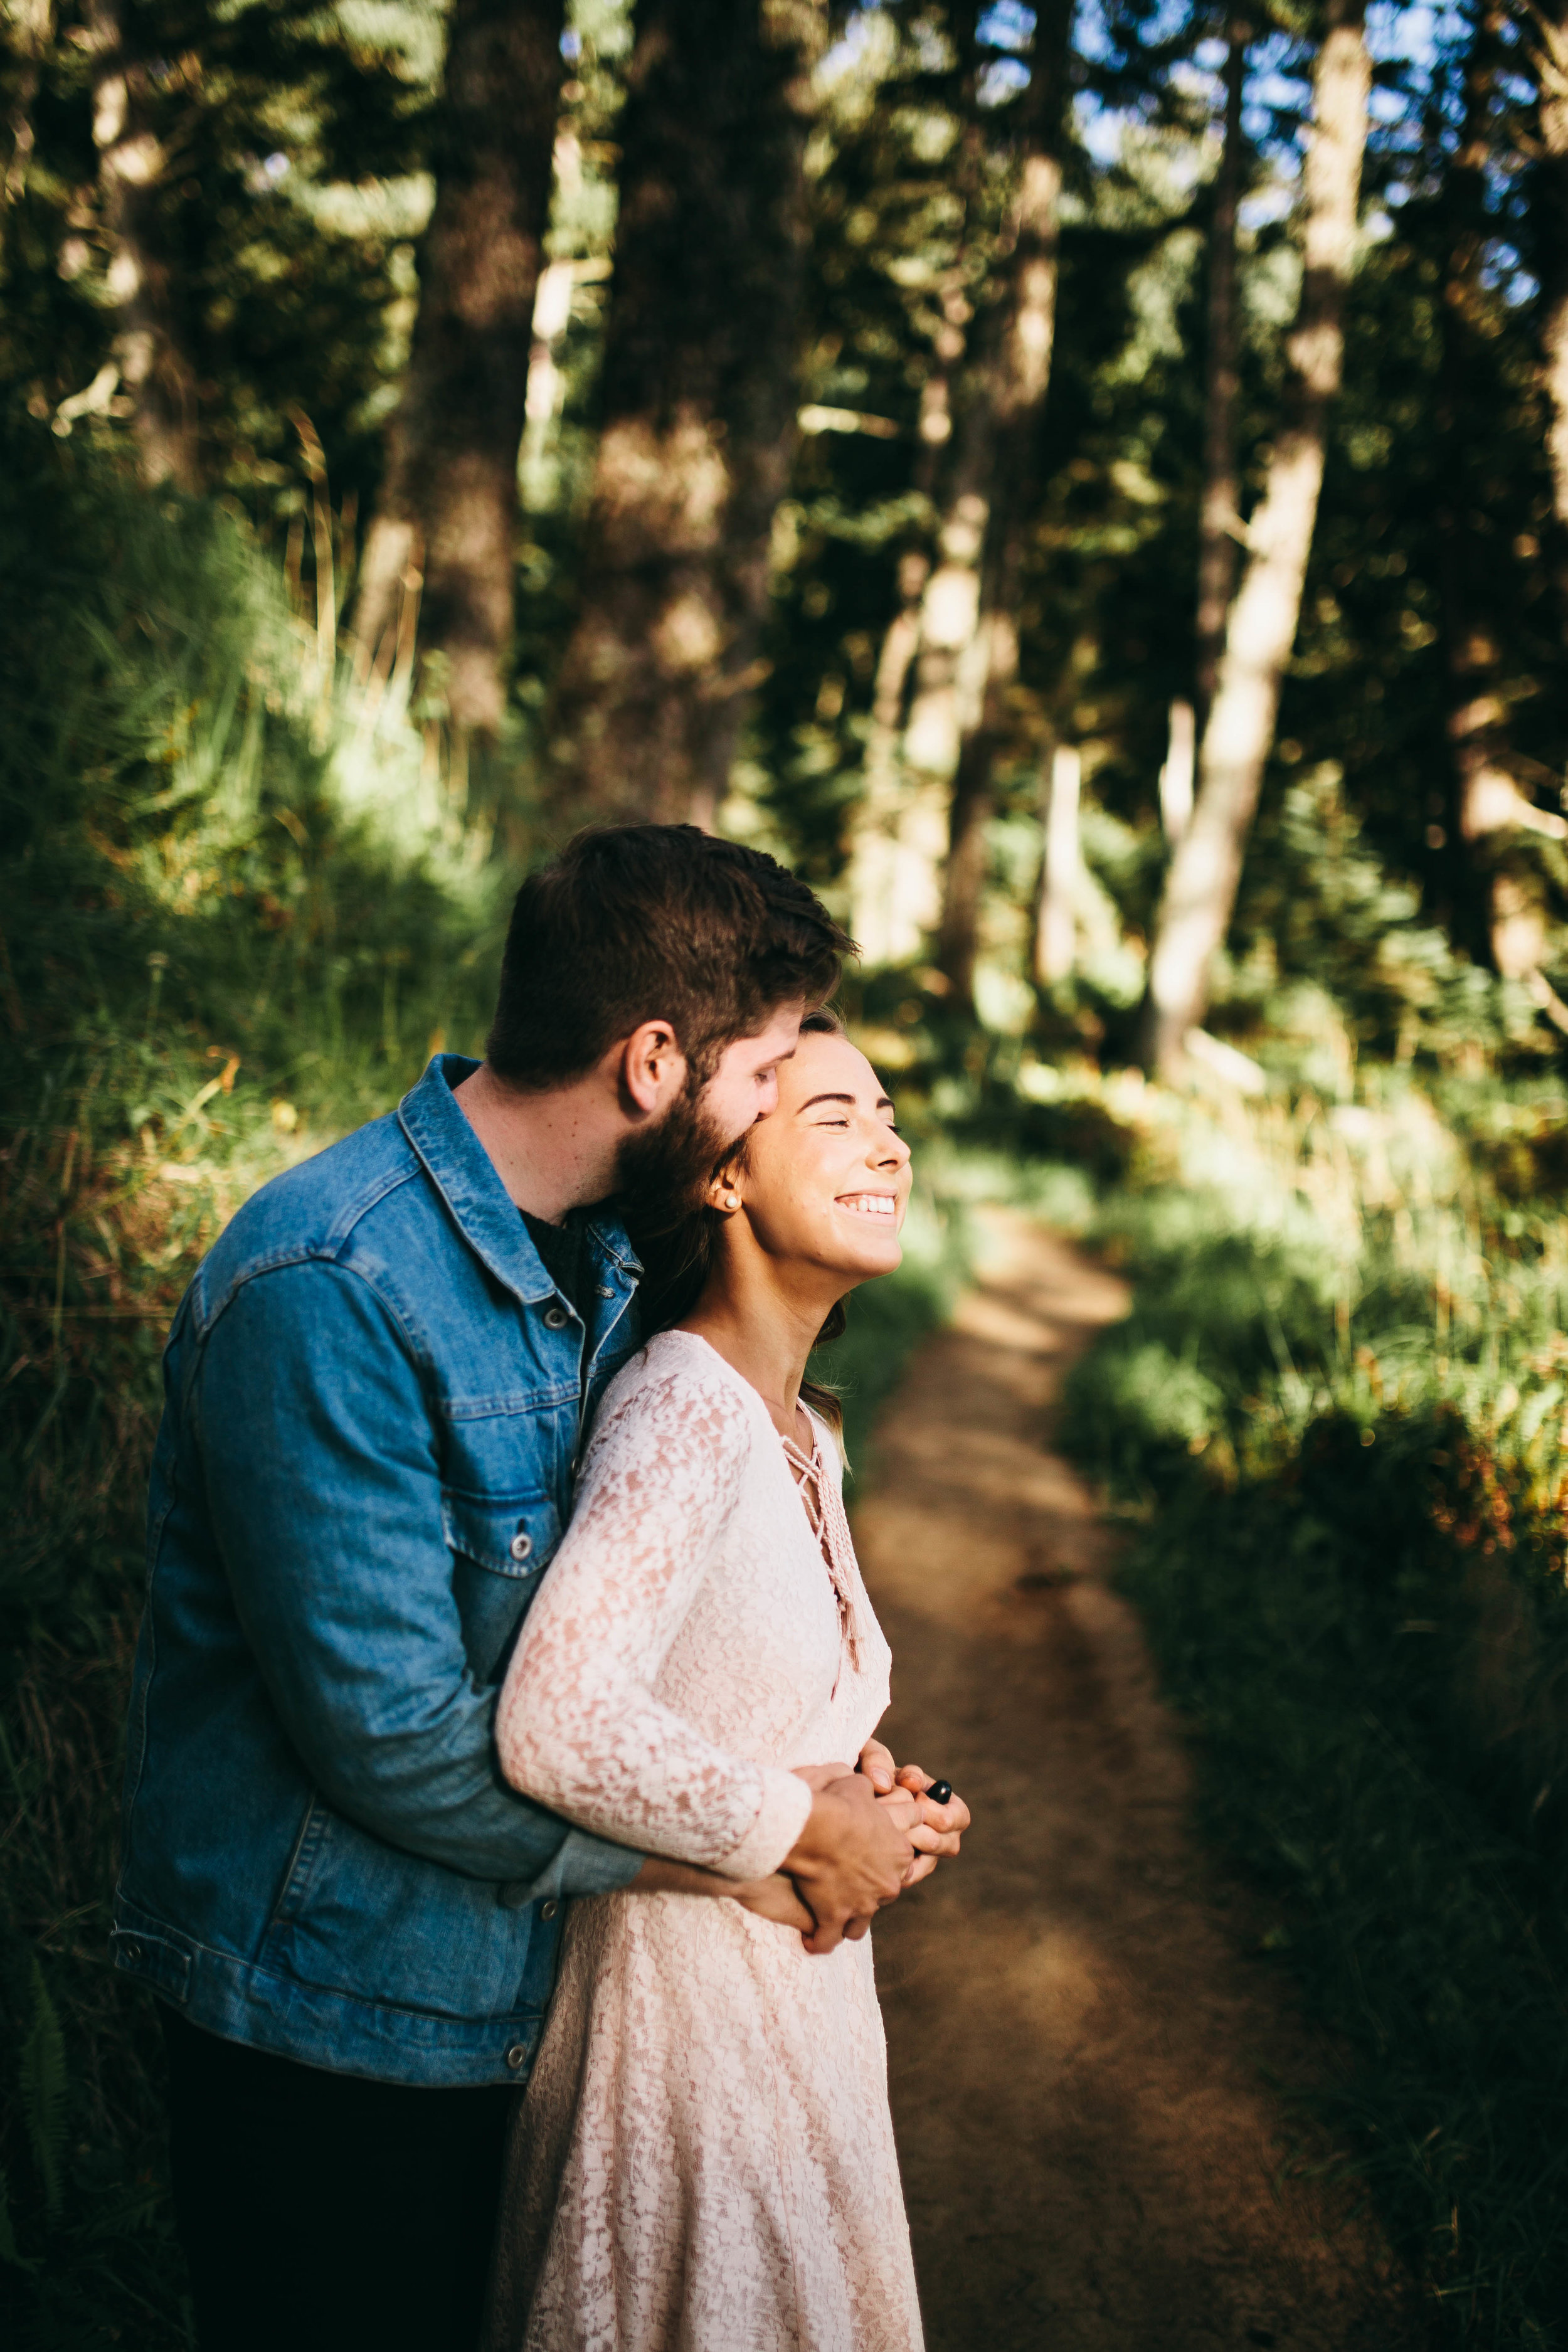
<point>323,1486</point>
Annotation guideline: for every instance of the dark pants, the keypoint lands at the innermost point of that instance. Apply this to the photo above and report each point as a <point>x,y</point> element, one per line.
<point>319,2212</point>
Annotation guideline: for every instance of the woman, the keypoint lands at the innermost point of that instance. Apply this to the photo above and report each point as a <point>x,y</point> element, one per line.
<point>705,2156</point>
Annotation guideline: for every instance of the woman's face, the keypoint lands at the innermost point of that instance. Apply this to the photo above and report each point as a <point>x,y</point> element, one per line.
<point>826,1179</point>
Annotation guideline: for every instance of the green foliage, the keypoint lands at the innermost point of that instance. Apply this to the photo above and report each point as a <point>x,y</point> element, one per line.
<point>239,909</point>
<point>1330,1629</point>
<point>1336,1416</point>
<point>292,138</point>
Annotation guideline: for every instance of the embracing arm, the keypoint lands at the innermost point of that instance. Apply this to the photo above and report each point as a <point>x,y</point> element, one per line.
<point>579,1725</point>
<point>324,1498</point>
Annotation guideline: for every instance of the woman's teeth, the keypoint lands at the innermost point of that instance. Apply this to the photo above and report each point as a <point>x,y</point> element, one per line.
<point>870,1204</point>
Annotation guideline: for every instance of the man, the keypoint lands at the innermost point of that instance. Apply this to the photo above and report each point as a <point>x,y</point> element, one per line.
<point>375,1391</point>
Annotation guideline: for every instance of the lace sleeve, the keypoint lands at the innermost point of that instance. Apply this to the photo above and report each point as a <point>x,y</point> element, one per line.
<point>578,1727</point>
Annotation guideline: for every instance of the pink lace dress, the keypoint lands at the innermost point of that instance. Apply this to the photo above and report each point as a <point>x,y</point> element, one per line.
<point>704,2158</point>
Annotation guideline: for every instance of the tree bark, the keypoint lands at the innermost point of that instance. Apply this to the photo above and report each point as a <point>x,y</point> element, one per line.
<point>1477,719</point>
<point>1219,521</point>
<point>1496,913</point>
<point>1200,888</point>
<point>448,502</point>
<point>149,349</point>
<point>1548,20</point>
<point>898,845</point>
<point>1176,774</point>
<point>698,397</point>
<point>1015,399</point>
<point>1055,929</point>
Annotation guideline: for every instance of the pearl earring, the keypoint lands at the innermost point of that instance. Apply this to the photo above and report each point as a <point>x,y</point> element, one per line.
<point>732,1200</point>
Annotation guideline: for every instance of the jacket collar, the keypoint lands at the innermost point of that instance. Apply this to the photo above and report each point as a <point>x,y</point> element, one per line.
<point>465,1175</point>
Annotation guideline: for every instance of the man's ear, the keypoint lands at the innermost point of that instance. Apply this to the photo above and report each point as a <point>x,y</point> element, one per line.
<point>650,1070</point>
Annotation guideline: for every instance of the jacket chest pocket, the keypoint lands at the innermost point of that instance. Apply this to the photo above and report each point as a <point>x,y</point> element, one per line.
<point>500,1545</point>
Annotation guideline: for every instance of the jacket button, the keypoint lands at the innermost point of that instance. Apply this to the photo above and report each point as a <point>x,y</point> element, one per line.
<point>517,2056</point>
<point>556,1319</point>
<point>132,1951</point>
<point>548,1910</point>
<point>521,1544</point>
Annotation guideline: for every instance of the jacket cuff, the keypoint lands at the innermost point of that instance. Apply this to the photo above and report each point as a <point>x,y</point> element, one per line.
<point>585,1865</point>
<point>785,1810</point>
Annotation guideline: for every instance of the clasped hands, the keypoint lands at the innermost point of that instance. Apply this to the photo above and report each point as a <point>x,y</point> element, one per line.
<point>871,1831</point>
<point>870,1834</point>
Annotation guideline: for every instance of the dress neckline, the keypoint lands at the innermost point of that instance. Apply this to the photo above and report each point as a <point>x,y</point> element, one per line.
<point>677,1331</point>
<point>830,1530</point>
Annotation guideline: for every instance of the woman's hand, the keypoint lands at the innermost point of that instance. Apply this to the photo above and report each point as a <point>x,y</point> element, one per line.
<point>935,1830</point>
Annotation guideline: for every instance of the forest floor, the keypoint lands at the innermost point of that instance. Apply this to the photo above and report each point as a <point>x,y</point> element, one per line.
<point>1091,2057</point>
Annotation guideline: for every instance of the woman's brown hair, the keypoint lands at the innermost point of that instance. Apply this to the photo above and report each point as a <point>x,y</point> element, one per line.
<point>677,1261</point>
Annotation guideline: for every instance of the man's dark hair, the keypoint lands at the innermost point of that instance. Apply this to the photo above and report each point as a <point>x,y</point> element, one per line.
<point>642,922</point>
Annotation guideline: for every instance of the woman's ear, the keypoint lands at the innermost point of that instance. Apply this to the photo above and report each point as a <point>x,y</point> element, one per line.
<point>724,1190</point>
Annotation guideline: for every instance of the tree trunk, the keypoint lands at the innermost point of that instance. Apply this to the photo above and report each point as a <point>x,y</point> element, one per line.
<point>900,839</point>
<point>1176,774</point>
<point>698,397</point>
<point>1496,913</point>
<point>1549,21</point>
<point>134,174</point>
<point>1016,397</point>
<point>1200,889</point>
<point>1477,721</point>
<point>892,864</point>
<point>1218,522</point>
<point>449,503</point>
<point>1056,932</point>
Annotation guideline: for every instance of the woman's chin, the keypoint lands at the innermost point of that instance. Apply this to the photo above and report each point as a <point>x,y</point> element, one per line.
<point>862,1245</point>
<point>876,1254</point>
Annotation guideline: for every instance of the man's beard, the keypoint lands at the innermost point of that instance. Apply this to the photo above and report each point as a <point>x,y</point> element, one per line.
<point>663,1172</point>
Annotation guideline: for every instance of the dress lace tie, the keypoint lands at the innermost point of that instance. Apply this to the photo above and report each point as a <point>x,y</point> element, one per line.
<point>824,1513</point>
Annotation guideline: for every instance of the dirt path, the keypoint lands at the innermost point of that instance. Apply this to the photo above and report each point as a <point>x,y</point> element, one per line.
<point>1079,2040</point>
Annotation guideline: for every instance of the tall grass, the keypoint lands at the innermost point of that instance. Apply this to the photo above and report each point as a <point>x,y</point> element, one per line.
<point>238,905</point>
<point>1336,1419</point>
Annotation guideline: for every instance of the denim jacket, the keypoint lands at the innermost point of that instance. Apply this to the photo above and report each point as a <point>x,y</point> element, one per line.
<point>374,1399</point>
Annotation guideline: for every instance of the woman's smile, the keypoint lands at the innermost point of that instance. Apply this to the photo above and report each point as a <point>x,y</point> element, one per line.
<point>869,1204</point>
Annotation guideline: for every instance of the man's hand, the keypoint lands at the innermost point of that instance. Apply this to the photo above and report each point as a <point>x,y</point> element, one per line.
<point>771,1899</point>
<point>854,1853</point>
<point>775,1898</point>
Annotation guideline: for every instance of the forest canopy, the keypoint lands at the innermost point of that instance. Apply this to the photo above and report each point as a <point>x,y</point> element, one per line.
<point>836,425</point>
